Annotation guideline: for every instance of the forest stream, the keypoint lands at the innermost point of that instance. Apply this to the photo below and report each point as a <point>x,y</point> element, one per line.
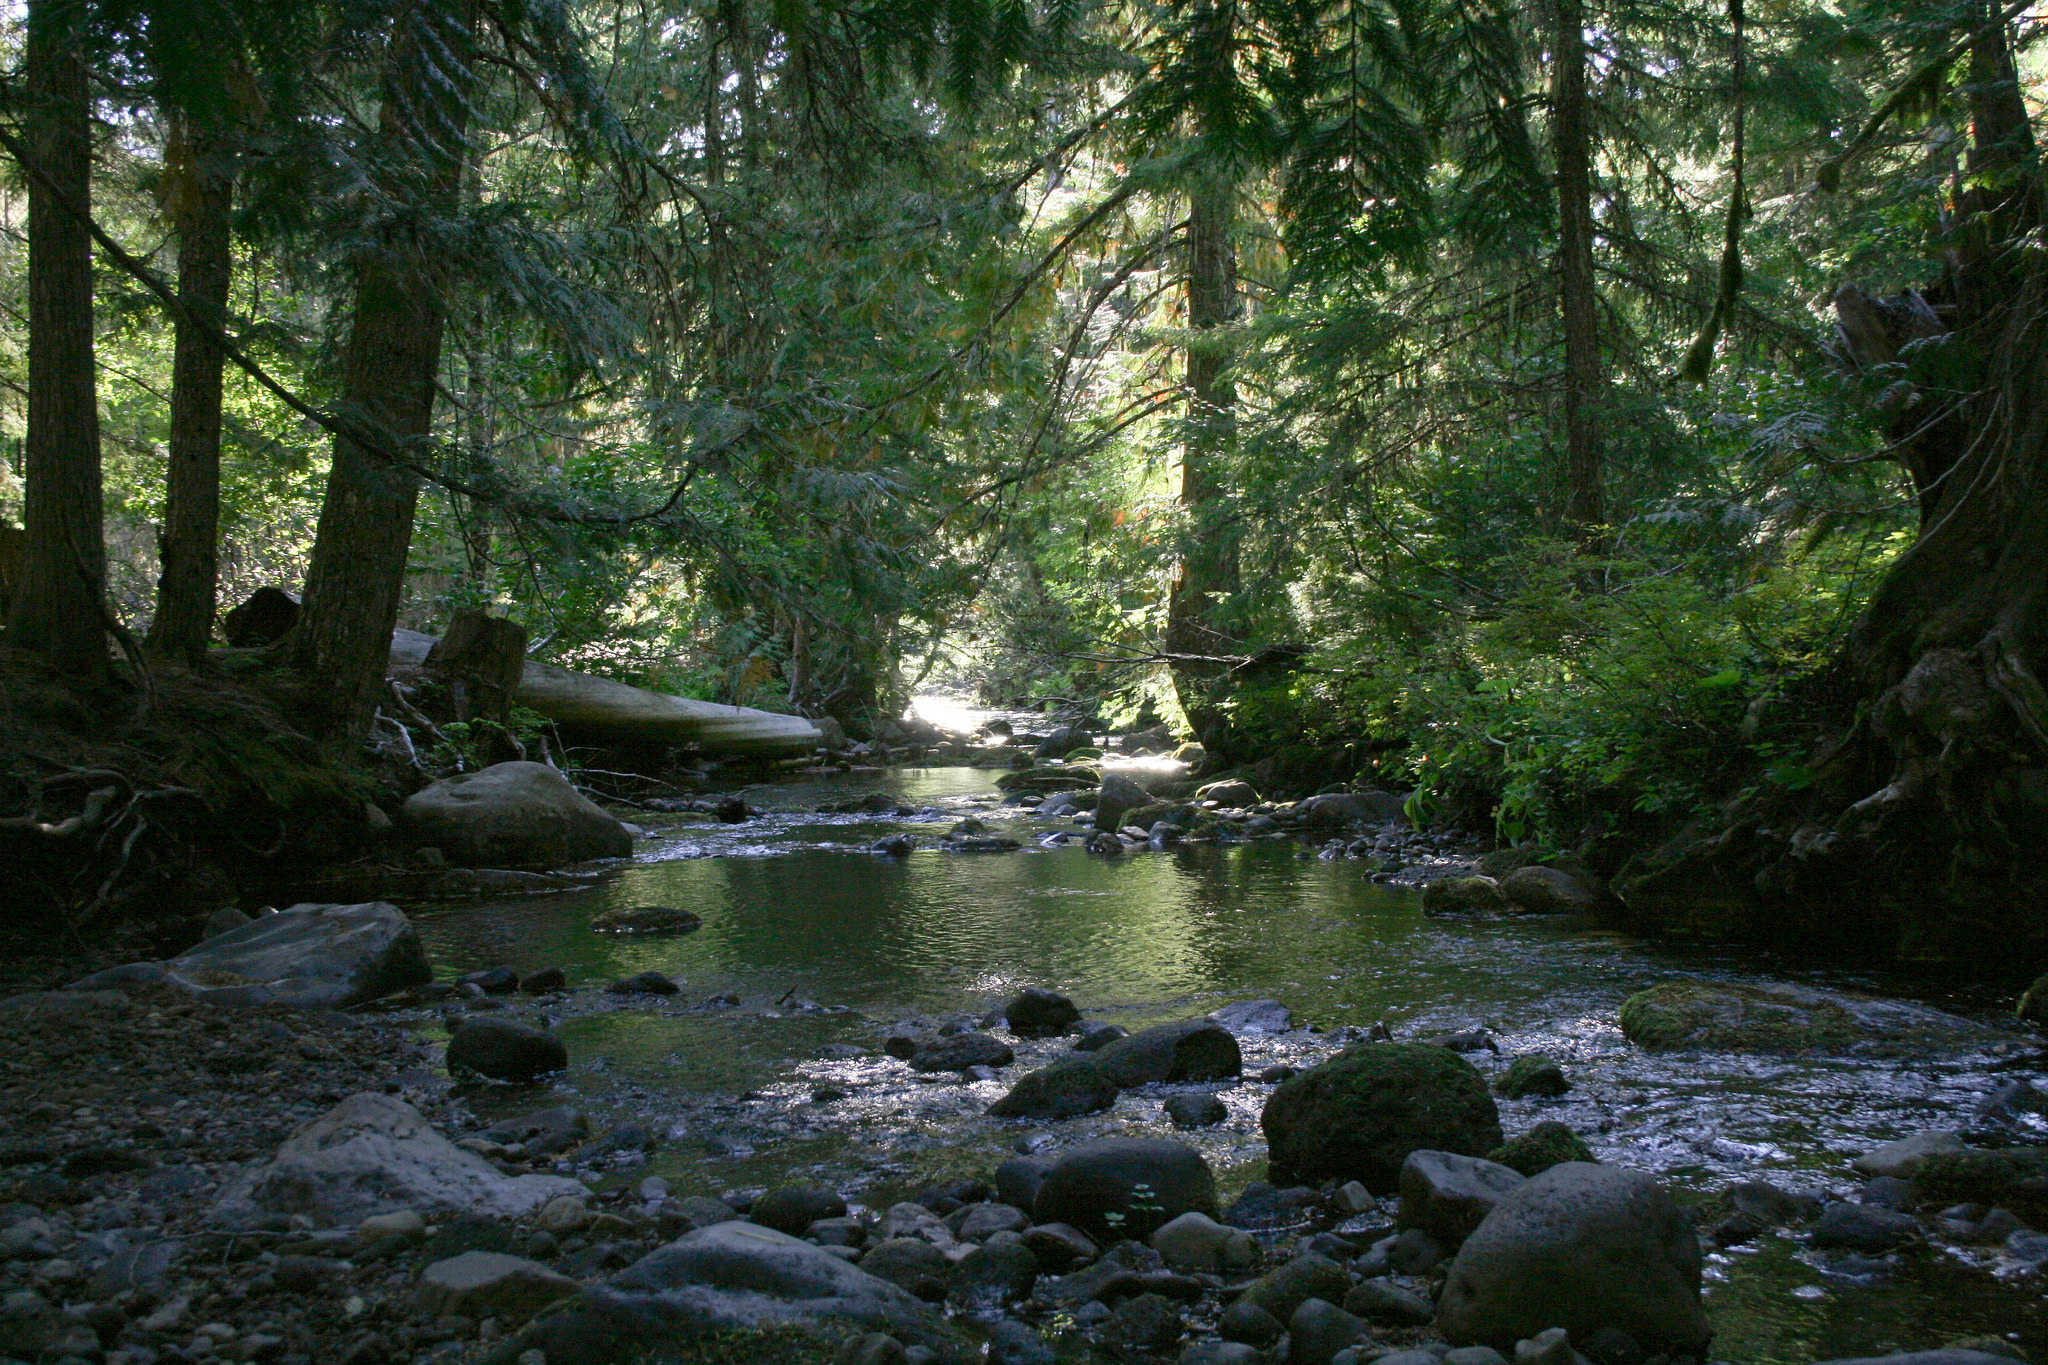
<point>765,1067</point>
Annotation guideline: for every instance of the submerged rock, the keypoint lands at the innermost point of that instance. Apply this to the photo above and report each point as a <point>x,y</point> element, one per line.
<point>1359,1114</point>
<point>646,919</point>
<point>513,815</point>
<point>1584,1248</point>
<point>1727,1017</point>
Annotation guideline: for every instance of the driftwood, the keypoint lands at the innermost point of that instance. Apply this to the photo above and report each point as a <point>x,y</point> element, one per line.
<point>599,706</point>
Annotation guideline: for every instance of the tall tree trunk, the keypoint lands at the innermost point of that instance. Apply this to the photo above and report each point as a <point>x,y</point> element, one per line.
<point>1920,829</point>
<point>203,193</point>
<point>356,580</point>
<point>59,611</point>
<point>1200,612</point>
<point>1572,142</point>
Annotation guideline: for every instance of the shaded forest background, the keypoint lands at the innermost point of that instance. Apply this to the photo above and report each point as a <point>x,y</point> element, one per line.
<point>1613,422</point>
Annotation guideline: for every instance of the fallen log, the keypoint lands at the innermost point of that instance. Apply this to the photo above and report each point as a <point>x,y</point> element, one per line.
<point>602,706</point>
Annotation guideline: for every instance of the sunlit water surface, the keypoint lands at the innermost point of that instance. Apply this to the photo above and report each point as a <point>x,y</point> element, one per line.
<point>824,943</point>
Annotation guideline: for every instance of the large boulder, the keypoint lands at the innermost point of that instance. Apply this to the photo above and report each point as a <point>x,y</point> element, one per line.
<point>1584,1248</point>
<point>1040,1013</point>
<point>1069,1088</point>
<point>330,956</point>
<point>1191,1050</point>
<point>1359,1114</point>
<point>729,1277</point>
<point>1119,794</point>
<point>1447,1195</point>
<point>1118,1188</point>
<point>1724,1016</point>
<point>513,815</point>
<point>374,1154</point>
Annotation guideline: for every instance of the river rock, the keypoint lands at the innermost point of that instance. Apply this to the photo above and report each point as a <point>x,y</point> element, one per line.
<point>1096,1035</point>
<point>1907,1155</point>
<point>1863,1227</point>
<point>1447,1195</point>
<point>1318,1330</point>
<point>1192,1050</point>
<point>1196,1111</point>
<point>793,1208</point>
<point>1350,810</point>
<point>732,1276</point>
<point>1040,1013</point>
<point>489,1284</point>
<point>644,983</point>
<point>1382,1301</point>
<point>1015,1343</point>
<point>1125,1187</point>
<point>1119,794</point>
<point>1067,1089</point>
<point>1948,1356</point>
<point>646,919</point>
<point>331,956</point>
<point>1547,891</point>
<point>1255,1016</point>
<point>962,1051</point>
<point>1534,1074</point>
<point>1584,1248</point>
<point>513,815</point>
<point>1063,741</point>
<point>1547,1144</point>
<point>1221,1353</point>
<point>1143,1323</point>
<point>1246,1323</point>
<point>375,1154</point>
<point>1359,1114</point>
<point>1060,1248</point>
<point>1195,1241</point>
<point>1000,1271</point>
<point>1463,896</point>
<point>505,1049</point>
<point>910,1263</point>
<point>544,981</point>
<point>1308,1276</point>
<point>979,1222</point>
<point>1725,1017</point>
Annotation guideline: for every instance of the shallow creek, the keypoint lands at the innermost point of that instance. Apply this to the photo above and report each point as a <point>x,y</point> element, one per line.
<point>824,945</point>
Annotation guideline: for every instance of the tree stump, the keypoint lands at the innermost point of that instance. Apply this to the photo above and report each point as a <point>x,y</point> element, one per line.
<point>481,657</point>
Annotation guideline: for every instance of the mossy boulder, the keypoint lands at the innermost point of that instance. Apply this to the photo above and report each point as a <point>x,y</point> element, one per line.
<point>1067,1089</point>
<point>2016,1177</point>
<point>2033,1006</point>
<point>1536,1151</point>
<point>1534,1074</point>
<point>1779,1018</point>
<point>1463,896</point>
<point>1359,1115</point>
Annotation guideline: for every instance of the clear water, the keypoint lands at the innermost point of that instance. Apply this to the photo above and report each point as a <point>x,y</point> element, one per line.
<point>824,943</point>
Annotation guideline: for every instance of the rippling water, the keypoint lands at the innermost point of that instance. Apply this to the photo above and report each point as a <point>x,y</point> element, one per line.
<point>823,943</point>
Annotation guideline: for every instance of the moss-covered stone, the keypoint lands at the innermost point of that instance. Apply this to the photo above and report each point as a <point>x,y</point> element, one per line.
<point>1359,1115</point>
<point>1726,1017</point>
<point>1463,896</point>
<point>1067,1089</point>
<point>2033,1006</point>
<point>1051,778</point>
<point>1536,1151</point>
<point>2013,1176</point>
<point>1534,1074</point>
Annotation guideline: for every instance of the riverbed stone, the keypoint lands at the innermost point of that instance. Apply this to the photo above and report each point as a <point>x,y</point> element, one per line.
<point>646,920</point>
<point>1463,896</point>
<point>1863,1227</point>
<point>1358,1115</point>
<point>1059,1247</point>
<point>489,1284</point>
<point>732,1276</point>
<point>1195,1241</point>
<point>1318,1330</point>
<point>1534,1074</point>
<point>1191,1050</point>
<point>1448,1195</point>
<point>505,1050</point>
<point>961,1051</point>
<point>1380,1300</point>
<point>1255,1016</point>
<point>1119,1188</point>
<point>1000,1271</point>
<point>1547,891</point>
<point>513,815</point>
<point>1548,1144</point>
<point>375,1154</point>
<point>1287,1287</point>
<point>1247,1322</point>
<point>1581,1247</point>
<point>910,1263</point>
<point>1782,1018</point>
<point>315,955</point>
<point>1041,1013</point>
<point>1119,794</point>
<point>792,1209</point>
<point>1221,1353</point>
<point>1069,1088</point>
<point>1196,1111</point>
<point>1905,1156</point>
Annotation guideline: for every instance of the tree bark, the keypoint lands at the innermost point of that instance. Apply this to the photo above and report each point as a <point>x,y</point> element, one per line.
<point>356,580</point>
<point>203,194</point>
<point>1199,615</point>
<point>59,611</point>
<point>1578,302</point>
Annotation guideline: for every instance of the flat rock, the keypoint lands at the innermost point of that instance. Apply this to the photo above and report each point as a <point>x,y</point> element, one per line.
<point>331,956</point>
<point>1255,1016</point>
<point>489,1284</point>
<point>513,815</point>
<point>375,1154</point>
<point>731,1276</point>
